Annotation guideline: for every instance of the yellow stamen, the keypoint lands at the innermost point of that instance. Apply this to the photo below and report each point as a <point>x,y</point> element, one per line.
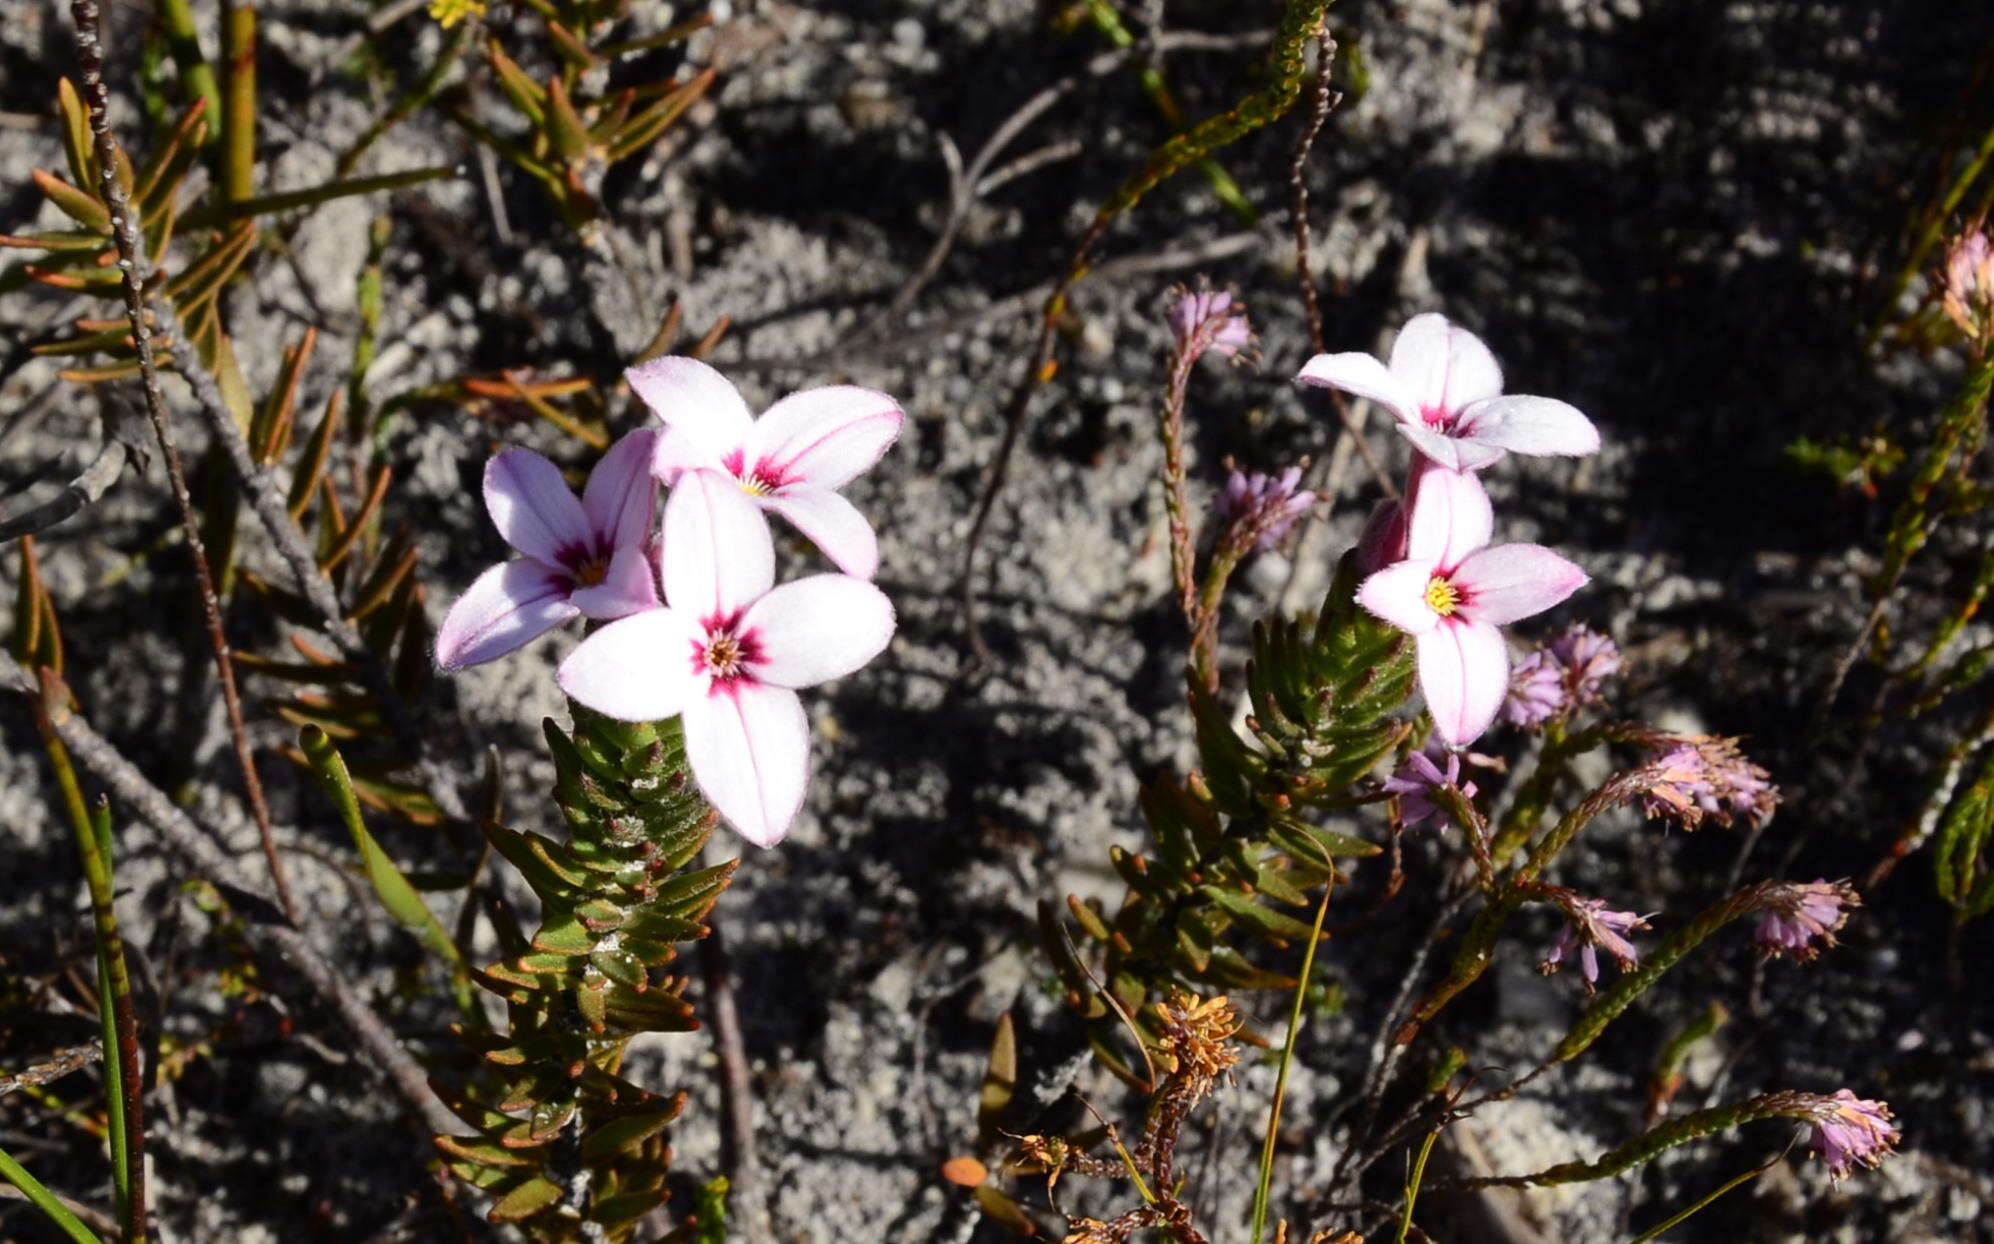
<point>590,573</point>
<point>1442,597</point>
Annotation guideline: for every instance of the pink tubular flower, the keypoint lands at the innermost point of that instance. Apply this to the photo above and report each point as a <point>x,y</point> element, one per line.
<point>1797,919</point>
<point>1446,390</point>
<point>1850,1131</point>
<point>792,460</point>
<point>1561,677</point>
<point>1266,505</point>
<point>1536,691</point>
<point>1453,591</point>
<point>1706,776</point>
<point>580,558</point>
<point>1418,776</point>
<point>726,654</point>
<point>1208,319</point>
<point>1967,283</point>
<point>1590,927</point>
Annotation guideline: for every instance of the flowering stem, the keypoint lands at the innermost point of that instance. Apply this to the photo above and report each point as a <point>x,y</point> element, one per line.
<point>1287,1059</point>
<point>1535,792</point>
<point>1176,503</point>
<point>1648,1145</point>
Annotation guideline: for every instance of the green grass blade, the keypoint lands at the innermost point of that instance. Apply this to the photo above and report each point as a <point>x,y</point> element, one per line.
<point>44,1200</point>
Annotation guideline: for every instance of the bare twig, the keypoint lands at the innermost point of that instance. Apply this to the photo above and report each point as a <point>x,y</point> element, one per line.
<point>262,924</point>
<point>54,1067</point>
<point>124,230</point>
<point>737,1094</point>
<point>89,485</point>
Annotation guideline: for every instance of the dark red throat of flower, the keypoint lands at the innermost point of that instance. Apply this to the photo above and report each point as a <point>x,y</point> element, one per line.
<point>591,572</point>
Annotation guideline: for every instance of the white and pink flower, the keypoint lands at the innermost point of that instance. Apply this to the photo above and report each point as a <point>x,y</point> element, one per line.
<point>792,460</point>
<point>581,558</point>
<point>1453,591</point>
<point>1445,388</point>
<point>727,652</point>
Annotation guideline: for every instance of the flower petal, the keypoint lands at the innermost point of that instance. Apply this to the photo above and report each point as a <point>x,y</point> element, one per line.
<point>532,507</point>
<point>678,452</point>
<point>1363,375</point>
<point>1510,581</point>
<point>1530,425</point>
<point>1464,670</point>
<point>749,745</point>
<point>622,491</point>
<point>1451,515</point>
<point>717,556</point>
<point>693,398</point>
<point>626,588</point>
<point>1443,366</point>
<point>818,628</point>
<point>637,669</point>
<point>1452,452</point>
<point>834,525</point>
<point>1398,595</point>
<point>825,437</point>
<point>504,608</point>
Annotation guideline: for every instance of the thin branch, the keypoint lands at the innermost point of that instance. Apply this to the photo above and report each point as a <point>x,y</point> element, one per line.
<point>262,925</point>
<point>124,230</point>
<point>85,490</point>
<point>737,1095</point>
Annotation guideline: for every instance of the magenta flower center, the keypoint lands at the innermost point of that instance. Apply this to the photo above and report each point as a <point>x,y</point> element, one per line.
<point>764,480</point>
<point>726,657</point>
<point>1436,417</point>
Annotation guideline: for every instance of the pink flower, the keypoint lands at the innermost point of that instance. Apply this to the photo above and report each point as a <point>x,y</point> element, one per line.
<point>1267,506</point>
<point>1850,1131</point>
<point>792,460</point>
<point>1452,592</point>
<point>1208,319</point>
<point>1560,678</point>
<point>1795,916</point>
<point>580,558</point>
<point>1706,776</point>
<point>1967,282</point>
<point>726,654</point>
<point>1591,928</point>
<point>1446,390</point>
<point>1421,774</point>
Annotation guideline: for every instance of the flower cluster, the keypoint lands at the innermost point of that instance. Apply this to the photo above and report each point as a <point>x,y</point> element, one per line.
<point>1552,682</point>
<point>1706,776</point>
<point>1590,928</point>
<point>1207,319</point>
<point>1418,776</point>
<point>1798,919</point>
<point>1434,573</point>
<point>1850,1131</point>
<point>696,626</point>
<point>1967,283</point>
<point>1264,508</point>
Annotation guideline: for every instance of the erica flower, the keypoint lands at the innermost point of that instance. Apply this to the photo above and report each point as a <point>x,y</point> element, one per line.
<point>792,460</point>
<point>1267,506</point>
<point>1797,920</point>
<point>1452,592</point>
<point>1446,390</point>
<point>1968,283</point>
<point>1705,776</point>
<point>1208,319</point>
<point>1418,776</point>
<point>1850,1131</point>
<point>579,558</point>
<point>726,653</point>
<point>1591,928</point>
<point>1560,677</point>
<point>1536,691</point>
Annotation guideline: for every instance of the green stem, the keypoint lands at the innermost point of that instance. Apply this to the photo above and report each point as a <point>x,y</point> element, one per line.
<point>123,1082</point>
<point>177,16</point>
<point>239,119</point>
<point>1260,1192</point>
<point>44,1200</point>
<point>1412,1185</point>
<point>1677,1219</point>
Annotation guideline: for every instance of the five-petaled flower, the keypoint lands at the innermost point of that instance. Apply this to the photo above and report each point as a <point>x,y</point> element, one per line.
<point>726,653</point>
<point>582,558</point>
<point>791,460</point>
<point>1445,388</point>
<point>1451,593</point>
<point>1591,928</point>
